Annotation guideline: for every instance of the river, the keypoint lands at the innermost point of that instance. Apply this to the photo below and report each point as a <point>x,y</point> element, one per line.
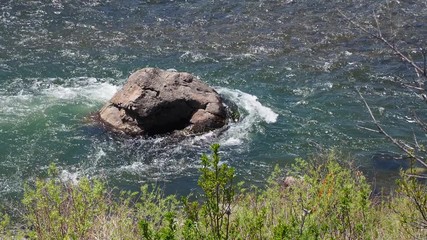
<point>291,66</point>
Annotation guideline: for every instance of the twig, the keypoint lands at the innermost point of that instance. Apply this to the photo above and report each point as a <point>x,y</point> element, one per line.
<point>378,25</point>
<point>418,70</point>
<point>416,141</point>
<point>420,122</point>
<point>404,147</point>
<point>424,53</point>
<point>368,129</point>
<point>417,176</point>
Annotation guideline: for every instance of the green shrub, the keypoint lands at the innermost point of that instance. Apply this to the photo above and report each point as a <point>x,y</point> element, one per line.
<point>216,181</point>
<point>156,214</point>
<point>329,201</point>
<point>411,206</point>
<point>211,218</point>
<point>4,223</point>
<point>326,200</point>
<point>64,210</point>
<point>61,210</point>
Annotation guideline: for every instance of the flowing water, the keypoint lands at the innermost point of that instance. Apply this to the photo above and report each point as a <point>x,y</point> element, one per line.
<point>291,67</point>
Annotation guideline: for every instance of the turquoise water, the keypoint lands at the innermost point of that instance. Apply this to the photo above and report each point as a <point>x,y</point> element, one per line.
<point>291,67</point>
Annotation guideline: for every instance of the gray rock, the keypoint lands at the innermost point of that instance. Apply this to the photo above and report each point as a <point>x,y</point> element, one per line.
<point>154,101</point>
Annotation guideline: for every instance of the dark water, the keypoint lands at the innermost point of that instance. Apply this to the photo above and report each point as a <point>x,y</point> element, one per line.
<point>292,67</point>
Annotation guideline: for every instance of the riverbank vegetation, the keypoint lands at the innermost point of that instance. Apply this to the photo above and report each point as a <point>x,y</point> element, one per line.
<point>324,198</point>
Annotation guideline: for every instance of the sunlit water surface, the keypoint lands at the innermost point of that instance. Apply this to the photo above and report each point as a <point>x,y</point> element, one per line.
<point>291,67</point>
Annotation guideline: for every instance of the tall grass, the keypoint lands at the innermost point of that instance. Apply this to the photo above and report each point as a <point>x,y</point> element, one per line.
<point>324,198</point>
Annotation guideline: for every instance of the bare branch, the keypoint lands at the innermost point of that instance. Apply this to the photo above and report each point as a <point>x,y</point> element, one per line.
<point>418,70</point>
<point>368,129</point>
<point>416,176</point>
<point>416,141</point>
<point>378,25</point>
<point>424,53</point>
<point>420,122</point>
<point>404,147</point>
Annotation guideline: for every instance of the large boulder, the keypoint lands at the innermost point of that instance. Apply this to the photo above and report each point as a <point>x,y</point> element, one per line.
<point>154,101</point>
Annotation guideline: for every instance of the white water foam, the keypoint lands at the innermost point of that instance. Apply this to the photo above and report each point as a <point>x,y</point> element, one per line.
<point>158,168</point>
<point>44,94</point>
<point>252,113</point>
<point>67,176</point>
<point>95,91</point>
<point>160,160</point>
<point>196,57</point>
<point>11,184</point>
<point>18,105</point>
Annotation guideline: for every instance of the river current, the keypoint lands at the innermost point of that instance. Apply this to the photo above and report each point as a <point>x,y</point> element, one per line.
<point>291,66</point>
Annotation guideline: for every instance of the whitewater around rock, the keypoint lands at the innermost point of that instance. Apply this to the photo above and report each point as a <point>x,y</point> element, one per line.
<point>155,101</point>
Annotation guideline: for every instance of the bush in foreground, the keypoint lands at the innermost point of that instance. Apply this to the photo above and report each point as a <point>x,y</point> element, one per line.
<point>324,200</point>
